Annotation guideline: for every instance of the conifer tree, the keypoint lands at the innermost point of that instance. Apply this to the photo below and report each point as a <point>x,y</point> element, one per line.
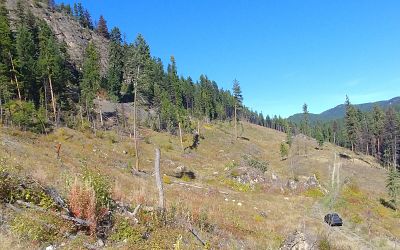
<point>90,83</point>
<point>393,185</point>
<point>305,119</point>
<point>115,65</point>
<point>102,28</point>
<point>319,135</point>
<point>51,4</point>
<point>6,41</point>
<point>51,64</point>
<point>352,124</point>
<point>378,119</point>
<point>237,93</point>
<point>391,137</point>
<point>26,61</point>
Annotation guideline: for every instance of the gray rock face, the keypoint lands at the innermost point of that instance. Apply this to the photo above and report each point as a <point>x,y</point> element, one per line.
<point>67,30</point>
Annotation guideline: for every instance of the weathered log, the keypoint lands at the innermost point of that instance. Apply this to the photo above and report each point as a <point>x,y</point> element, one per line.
<point>65,217</point>
<point>139,173</point>
<point>57,198</point>
<point>196,186</point>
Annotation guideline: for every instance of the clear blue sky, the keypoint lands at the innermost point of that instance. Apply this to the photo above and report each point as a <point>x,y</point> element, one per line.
<point>284,53</point>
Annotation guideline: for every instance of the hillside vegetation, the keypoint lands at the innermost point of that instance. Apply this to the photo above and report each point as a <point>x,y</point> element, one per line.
<point>231,203</point>
<point>83,113</point>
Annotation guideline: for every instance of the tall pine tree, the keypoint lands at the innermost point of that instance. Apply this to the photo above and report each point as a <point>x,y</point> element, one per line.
<point>90,83</point>
<point>102,28</point>
<point>352,124</point>
<point>115,65</point>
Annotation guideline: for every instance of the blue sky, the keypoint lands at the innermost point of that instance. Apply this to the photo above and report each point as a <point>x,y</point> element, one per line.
<point>284,53</point>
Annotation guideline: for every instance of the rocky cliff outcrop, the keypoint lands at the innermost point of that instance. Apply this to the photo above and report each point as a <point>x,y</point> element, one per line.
<point>66,29</point>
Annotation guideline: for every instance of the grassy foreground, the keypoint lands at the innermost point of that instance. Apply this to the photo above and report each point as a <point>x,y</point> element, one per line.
<point>232,202</point>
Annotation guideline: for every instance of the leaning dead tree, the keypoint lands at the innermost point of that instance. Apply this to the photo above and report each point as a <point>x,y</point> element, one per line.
<point>161,200</point>
<point>15,76</point>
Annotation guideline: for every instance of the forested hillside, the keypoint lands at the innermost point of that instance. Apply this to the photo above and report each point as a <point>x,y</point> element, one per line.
<point>374,132</point>
<point>339,111</point>
<point>104,146</point>
<point>43,86</point>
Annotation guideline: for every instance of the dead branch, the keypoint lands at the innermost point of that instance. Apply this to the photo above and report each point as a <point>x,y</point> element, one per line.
<point>196,234</point>
<point>136,210</point>
<point>57,198</point>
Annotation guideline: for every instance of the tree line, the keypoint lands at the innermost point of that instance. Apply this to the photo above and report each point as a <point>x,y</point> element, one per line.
<point>40,87</point>
<point>374,133</point>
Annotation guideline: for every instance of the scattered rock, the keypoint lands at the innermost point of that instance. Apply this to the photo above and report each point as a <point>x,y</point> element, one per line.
<point>181,171</point>
<point>100,243</point>
<point>239,204</point>
<point>311,182</point>
<point>263,214</point>
<point>295,241</point>
<point>344,156</point>
<point>247,175</point>
<point>291,184</point>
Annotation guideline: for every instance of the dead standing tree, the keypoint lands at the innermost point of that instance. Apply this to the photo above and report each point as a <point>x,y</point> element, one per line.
<point>161,199</point>
<point>134,120</point>
<point>238,98</point>
<point>180,136</point>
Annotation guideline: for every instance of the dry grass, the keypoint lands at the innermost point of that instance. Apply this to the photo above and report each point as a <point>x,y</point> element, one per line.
<point>238,225</point>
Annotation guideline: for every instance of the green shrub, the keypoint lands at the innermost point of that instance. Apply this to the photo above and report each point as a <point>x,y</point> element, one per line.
<point>166,179</point>
<point>37,226</point>
<point>124,230</point>
<point>284,149</point>
<point>24,115</point>
<point>101,186</point>
<point>112,137</point>
<point>231,165</point>
<point>255,163</point>
<point>8,186</point>
<point>324,244</point>
<point>237,185</point>
<point>11,190</point>
<point>356,219</point>
<point>314,193</point>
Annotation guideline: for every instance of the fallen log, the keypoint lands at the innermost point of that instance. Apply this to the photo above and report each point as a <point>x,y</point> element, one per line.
<point>18,210</point>
<point>196,234</point>
<point>57,198</point>
<point>196,186</point>
<point>78,221</point>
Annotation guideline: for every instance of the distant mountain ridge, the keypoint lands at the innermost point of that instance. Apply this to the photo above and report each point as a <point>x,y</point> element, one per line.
<point>338,112</point>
